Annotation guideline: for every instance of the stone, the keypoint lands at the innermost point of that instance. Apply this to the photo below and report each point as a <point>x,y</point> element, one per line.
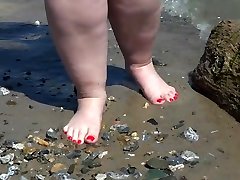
<point>57,167</point>
<point>157,163</point>
<point>217,76</point>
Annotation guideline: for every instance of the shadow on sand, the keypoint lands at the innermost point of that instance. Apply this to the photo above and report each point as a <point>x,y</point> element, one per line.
<point>29,64</point>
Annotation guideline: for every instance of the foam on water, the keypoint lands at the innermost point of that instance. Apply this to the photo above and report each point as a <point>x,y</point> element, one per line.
<point>204,14</point>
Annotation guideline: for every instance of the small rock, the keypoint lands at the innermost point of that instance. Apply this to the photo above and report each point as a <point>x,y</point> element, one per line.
<point>102,154</point>
<point>71,169</point>
<point>39,177</point>
<point>191,135</point>
<point>106,136</point>
<point>18,146</point>
<point>161,137</point>
<point>122,128</point>
<point>37,23</point>
<point>52,134</point>
<point>156,163</point>
<point>146,105</point>
<point>133,146</point>
<point>100,176</point>
<point>112,98</point>
<point>6,159</point>
<point>85,170</point>
<point>57,167</point>
<point>11,103</point>
<point>41,141</point>
<point>152,121</point>
<point>74,154</point>
<point>189,156</point>
<point>4,91</point>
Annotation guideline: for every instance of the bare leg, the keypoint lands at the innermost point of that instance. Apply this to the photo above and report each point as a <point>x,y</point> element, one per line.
<point>79,30</point>
<point>135,24</point>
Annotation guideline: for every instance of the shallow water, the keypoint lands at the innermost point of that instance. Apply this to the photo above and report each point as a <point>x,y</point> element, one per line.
<point>204,14</point>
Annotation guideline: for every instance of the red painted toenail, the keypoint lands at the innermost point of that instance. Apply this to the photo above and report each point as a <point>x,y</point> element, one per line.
<point>65,132</point>
<point>171,99</point>
<point>159,100</point>
<point>79,142</point>
<point>74,141</point>
<point>175,97</point>
<point>91,138</point>
<point>70,138</point>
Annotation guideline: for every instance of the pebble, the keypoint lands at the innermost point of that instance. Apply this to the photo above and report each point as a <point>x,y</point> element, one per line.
<point>100,176</point>
<point>57,167</point>
<point>157,163</point>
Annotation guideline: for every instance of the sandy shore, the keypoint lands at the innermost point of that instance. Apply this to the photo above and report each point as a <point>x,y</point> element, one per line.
<point>32,71</point>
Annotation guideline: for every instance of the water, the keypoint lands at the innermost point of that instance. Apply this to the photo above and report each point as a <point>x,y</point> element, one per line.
<point>204,14</point>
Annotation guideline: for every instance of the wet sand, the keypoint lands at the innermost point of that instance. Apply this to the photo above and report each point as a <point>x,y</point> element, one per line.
<point>31,69</point>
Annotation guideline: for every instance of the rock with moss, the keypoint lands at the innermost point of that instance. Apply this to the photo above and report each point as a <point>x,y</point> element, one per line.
<point>218,74</point>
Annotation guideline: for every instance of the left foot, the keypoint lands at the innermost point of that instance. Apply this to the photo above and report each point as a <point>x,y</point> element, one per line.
<point>155,89</point>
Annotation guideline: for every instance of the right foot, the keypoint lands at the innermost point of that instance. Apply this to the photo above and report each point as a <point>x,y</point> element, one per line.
<point>85,125</point>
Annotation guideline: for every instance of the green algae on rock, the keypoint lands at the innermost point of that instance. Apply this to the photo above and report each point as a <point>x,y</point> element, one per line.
<point>218,74</point>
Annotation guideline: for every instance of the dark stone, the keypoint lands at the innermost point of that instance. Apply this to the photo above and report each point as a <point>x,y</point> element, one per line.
<point>74,154</point>
<point>131,147</point>
<point>218,74</point>
<point>152,121</point>
<point>71,168</point>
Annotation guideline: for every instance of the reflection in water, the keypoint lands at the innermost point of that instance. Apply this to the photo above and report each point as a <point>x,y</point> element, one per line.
<point>204,14</point>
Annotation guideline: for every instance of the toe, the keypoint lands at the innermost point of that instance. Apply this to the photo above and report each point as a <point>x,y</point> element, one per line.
<point>65,129</point>
<point>81,135</point>
<point>70,133</point>
<point>160,100</point>
<point>75,135</point>
<point>92,135</point>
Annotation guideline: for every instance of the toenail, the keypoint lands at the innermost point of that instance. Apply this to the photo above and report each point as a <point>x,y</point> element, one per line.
<point>175,97</point>
<point>159,100</point>
<point>171,99</point>
<point>70,138</point>
<point>74,141</point>
<point>91,138</point>
<point>65,132</point>
<point>79,142</point>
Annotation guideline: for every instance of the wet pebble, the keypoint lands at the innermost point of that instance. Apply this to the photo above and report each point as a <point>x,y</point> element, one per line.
<point>71,169</point>
<point>7,158</point>
<point>106,136</point>
<point>100,176</point>
<point>152,121</point>
<point>131,147</point>
<point>161,137</point>
<point>74,154</point>
<point>122,128</point>
<point>11,103</point>
<point>157,163</point>
<point>52,134</point>
<point>57,168</point>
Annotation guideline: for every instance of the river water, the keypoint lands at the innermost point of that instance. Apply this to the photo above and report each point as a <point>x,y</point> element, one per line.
<point>204,14</point>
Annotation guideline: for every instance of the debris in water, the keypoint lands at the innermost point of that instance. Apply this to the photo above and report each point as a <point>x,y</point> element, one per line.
<point>122,128</point>
<point>4,91</point>
<point>191,135</point>
<point>212,132</point>
<point>152,121</point>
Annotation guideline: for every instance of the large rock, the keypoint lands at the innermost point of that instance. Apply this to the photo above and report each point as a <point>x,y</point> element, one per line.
<point>218,74</point>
